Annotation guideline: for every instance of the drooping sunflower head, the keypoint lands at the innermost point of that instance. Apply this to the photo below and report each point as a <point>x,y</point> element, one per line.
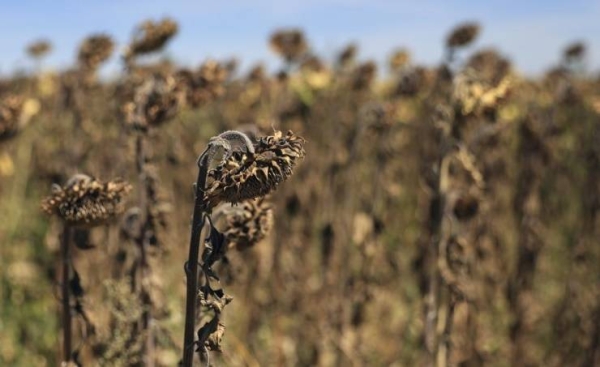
<point>151,36</point>
<point>153,102</point>
<point>86,201</point>
<point>94,50</point>
<point>289,43</point>
<point>251,173</point>
<point>347,56</point>
<point>463,34</point>
<point>574,51</point>
<point>38,49</point>
<point>248,223</point>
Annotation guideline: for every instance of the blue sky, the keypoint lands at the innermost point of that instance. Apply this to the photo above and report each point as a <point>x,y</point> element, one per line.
<point>532,33</point>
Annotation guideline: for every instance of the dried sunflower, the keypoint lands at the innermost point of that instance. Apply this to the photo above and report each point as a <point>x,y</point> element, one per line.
<point>204,85</point>
<point>574,51</point>
<point>248,223</point>
<point>347,56</point>
<point>86,201</point>
<point>462,35</point>
<point>94,50</point>
<point>247,175</point>
<point>364,75</point>
<point>154,102</point>
<point>151,36</point>
<point>289,43</point>
<point>492,66</point>
<point>39,49</point>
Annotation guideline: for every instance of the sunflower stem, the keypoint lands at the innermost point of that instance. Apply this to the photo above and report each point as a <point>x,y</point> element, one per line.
<point>191,267</point>
<point>65,245</point>
<point>142,241</point>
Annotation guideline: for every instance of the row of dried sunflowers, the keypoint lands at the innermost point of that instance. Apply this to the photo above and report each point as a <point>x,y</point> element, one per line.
<point>242,177</point>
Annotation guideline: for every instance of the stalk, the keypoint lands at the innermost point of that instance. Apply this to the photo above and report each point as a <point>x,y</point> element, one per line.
<point>66,293</point>
<point>191,266</point>
<point>142,241</point>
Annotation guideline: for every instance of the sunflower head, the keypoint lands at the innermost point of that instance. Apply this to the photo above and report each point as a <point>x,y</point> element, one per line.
<point>95,50</point>
<point>151,36</point>
<point>251,173</point>
<point>248,223</point>
<point>86,201</point>
<point>462,35</point>
<point>289,43</point>
<point>39,49</point>
<point>152,103</point>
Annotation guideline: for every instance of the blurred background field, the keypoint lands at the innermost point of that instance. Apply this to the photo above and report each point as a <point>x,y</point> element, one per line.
<point>445,214</point>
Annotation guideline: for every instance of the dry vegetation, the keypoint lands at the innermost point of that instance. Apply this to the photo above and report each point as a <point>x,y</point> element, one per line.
<point>431,216</point>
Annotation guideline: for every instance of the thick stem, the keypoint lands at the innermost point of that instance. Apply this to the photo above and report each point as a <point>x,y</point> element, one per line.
<point>433,286</point>
<point>142,241</point>
<point>191,267</point>
<point>66,294</point>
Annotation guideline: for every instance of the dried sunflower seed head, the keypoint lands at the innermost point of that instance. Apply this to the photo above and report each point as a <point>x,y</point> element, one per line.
<point>154,102</point>
<point>86,201</point>
<point>248,223</point>
<point>462,35</point>
<point>39,49</point>
<point>289,43</point>
<point>364,75</point>
<point>94,50</point>
<point>246,175</point>
<point>151,36</point>
<point>574,51</point>
<point>205,84</point>
<point>347,56</point>
<point>491,66</point>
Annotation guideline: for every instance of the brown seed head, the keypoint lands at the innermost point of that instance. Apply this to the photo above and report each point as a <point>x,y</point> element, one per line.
<point>246,175</point>
<point>376,116</point>
<point>248,223</point>
<point>85,201</point>
<point>347,55</point>
<point>413,80</point>
<point>94,50</point>
<point>312,63</point>
<point>205,84</point>
<point>151,36</point>
<point>574,51</point>
<point>39,49</point>
<point>289,43</point>
<point>462,35</point>
<point>490,65</point>
<point>364,75</point>
<point>154,102</point>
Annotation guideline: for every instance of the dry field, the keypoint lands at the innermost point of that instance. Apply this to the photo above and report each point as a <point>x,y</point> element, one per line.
<point>344,213</point>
